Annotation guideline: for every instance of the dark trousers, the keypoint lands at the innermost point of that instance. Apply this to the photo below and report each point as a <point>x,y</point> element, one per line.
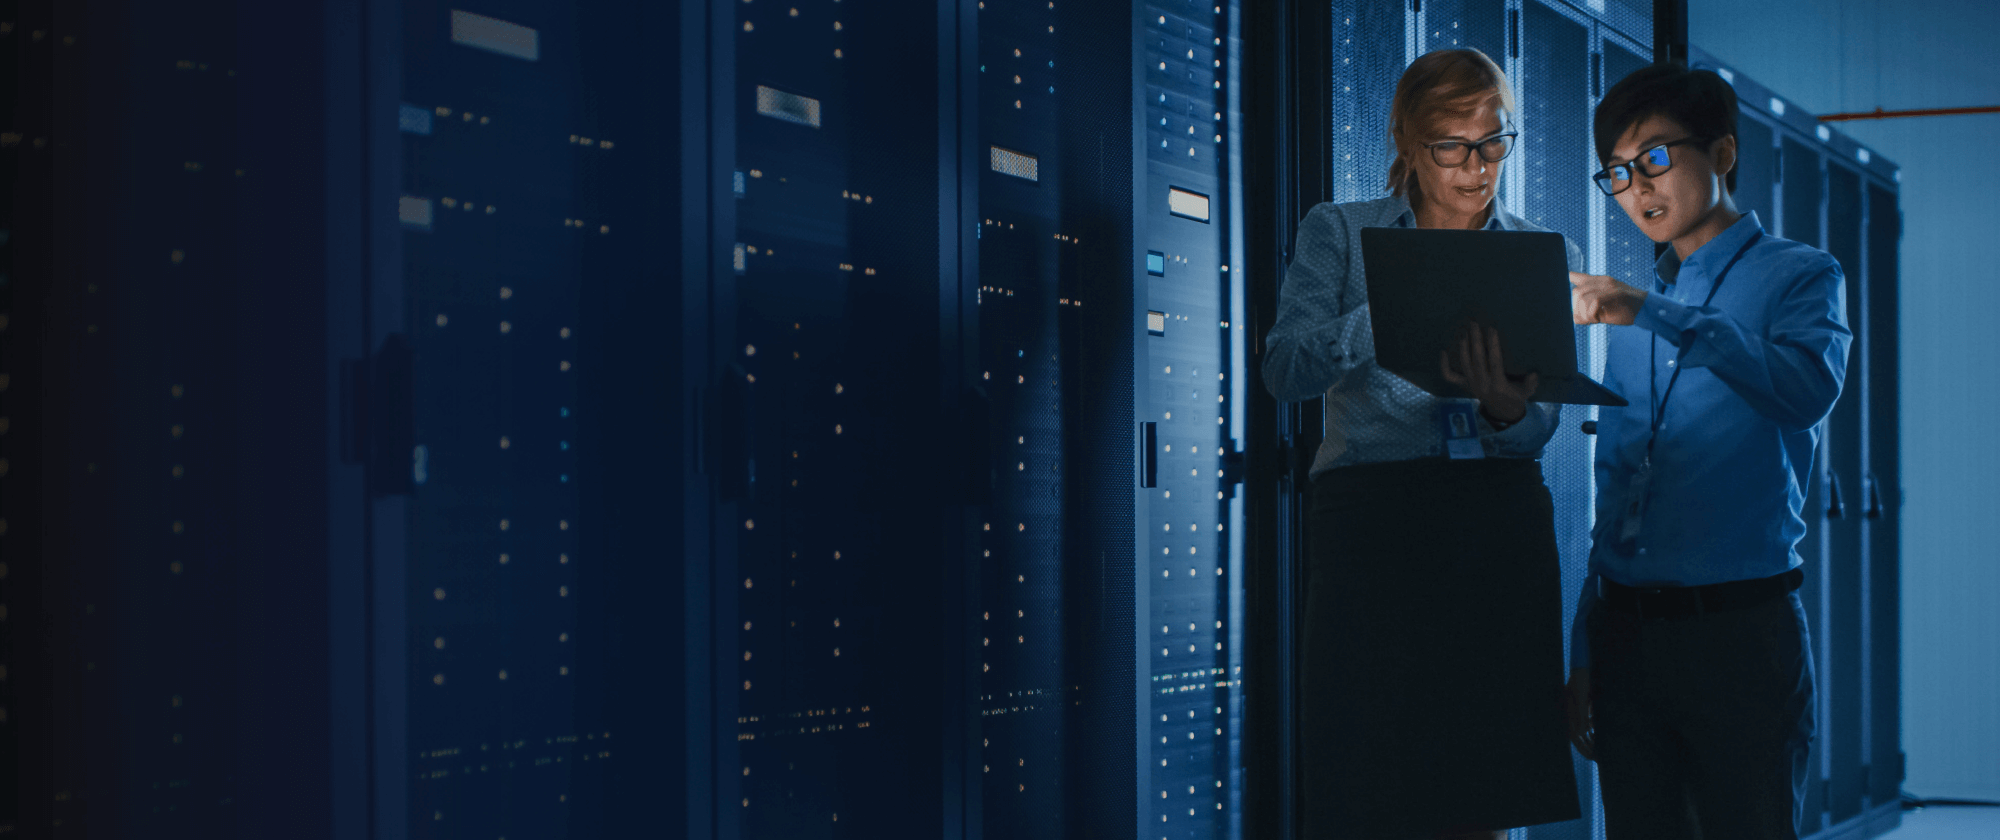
<point>1703,722</point>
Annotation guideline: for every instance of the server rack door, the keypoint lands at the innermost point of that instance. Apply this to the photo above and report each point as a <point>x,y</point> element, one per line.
<point>1550,186</point>
<point>169,424</point>
<point>476,374</point>
<point>1190,375</point>
<point>1756,167</point>
<point>1802,180</point>
<point>1561,62</point>
<point>523,529</point>
<point>1757,190</point>
<point>1842,672</point>
<point>148,555</point>
<point>1370,50</point>
<point>1628,254</point>
<point>1053,258</point>
<point>165,462</point>
<point>1884,495</point>
<point>830,631</point>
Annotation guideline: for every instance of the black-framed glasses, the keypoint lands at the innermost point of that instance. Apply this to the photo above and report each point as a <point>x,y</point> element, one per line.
<point>1654,162</point>
<point>1453,153</point>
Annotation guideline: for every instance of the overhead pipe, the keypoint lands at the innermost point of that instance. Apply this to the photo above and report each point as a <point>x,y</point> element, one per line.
<point>1879,114</point>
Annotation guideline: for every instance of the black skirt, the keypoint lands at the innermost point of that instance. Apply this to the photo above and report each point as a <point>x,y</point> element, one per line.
<point>1433,652</point>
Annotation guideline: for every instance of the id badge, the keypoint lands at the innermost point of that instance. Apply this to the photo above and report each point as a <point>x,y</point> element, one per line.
<point>1634,510</point>
<point>1460,430</point>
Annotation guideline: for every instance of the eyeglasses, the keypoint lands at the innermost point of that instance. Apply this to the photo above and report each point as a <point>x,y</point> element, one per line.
<point>1654,162</point>
<point>1454,153</point>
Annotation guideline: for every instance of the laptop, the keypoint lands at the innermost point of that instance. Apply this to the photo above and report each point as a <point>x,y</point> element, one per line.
<point>1425,284</point>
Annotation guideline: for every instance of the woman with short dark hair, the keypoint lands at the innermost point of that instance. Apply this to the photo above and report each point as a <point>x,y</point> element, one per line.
<point>1433,621</point>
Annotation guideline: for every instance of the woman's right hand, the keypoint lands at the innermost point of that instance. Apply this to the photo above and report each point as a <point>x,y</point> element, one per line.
<point>1576,698</point>
<point>1481,371</point>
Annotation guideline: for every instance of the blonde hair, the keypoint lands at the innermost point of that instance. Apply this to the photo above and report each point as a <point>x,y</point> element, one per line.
<point>1437,85</point>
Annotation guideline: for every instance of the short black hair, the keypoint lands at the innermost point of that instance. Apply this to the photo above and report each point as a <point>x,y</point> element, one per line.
<point>1699,100</point>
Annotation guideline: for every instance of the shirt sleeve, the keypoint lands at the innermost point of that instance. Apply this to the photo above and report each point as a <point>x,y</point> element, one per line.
<point>1314,346</point>
<point>1524,439</point>
<point>1791,376</point>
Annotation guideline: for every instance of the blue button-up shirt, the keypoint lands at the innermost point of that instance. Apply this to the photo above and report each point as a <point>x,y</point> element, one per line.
<point>1760,367</point>
<point>1323,343</point>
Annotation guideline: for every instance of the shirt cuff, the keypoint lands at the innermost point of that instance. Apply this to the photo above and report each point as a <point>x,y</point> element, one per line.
<point>1665,317</point>
<point>1531,423</point>
<point>1486,424</point>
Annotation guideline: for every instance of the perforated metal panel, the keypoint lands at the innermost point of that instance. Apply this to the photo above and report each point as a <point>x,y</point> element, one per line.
<point>490,307</point>
<point>1192,671</point>
<point>1030,318</point>
<point>831,581</point>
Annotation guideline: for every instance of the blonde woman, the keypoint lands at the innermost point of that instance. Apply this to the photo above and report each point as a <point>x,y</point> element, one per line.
<point>1433,657</point>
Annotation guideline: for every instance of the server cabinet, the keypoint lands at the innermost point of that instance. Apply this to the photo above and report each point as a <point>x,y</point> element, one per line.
<point>740,404</point>
<point>930,551</point>
<point>1882,492</point>
<point>519,383</point>
<point>1811,184</point>
<point>1767,156</point>
<point>1189,414</point>
<point>166,451</point>
<point>1846,581</point>
<point>830,564</point>
<point>904,400</point>
<point>1756,167</point>
<point>1628,254</point>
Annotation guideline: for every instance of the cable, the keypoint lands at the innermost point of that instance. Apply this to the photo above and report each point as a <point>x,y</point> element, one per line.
<point>1911,802</point>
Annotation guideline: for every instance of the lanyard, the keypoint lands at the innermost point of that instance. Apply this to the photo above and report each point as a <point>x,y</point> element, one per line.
<point>1660,406</point>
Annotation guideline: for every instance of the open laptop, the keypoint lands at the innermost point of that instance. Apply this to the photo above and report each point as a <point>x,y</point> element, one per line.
<point>1425,284</point>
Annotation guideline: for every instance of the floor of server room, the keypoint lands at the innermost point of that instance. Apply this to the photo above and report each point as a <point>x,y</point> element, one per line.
<point>1948,824</point>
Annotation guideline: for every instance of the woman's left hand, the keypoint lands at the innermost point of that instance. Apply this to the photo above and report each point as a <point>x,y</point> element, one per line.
<point>1480,370</point>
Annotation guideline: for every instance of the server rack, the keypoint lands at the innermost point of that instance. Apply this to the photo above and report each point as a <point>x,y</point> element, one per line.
<point>665,371</point>
<point>980,501</point>
<point>162,537</point>
<point>514,316</point>
<point>1810,183</point>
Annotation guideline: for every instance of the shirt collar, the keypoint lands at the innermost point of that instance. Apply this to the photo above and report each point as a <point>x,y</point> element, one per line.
<point>1710,257</point>
<point>1407,218</point>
